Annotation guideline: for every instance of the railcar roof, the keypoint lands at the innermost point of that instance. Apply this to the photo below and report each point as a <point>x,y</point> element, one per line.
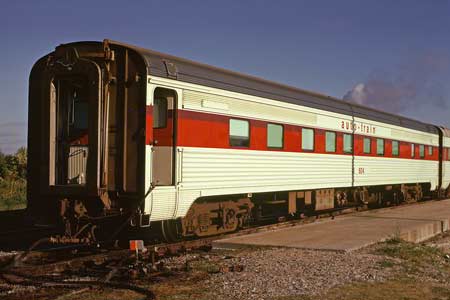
<point>446,131</point>
<point>203,74</point>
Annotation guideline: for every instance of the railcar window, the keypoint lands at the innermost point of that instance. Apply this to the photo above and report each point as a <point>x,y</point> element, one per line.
<point>274,136</point>
<point>160,113</point>
<point>308,139</point>
<point>239,133</point>
<point>79,113</point>
<point>348,143</point>
<point>330,141</point>
<point>395,148</point>
<point>422,151</point>
<point>380,146</point>
<point>413,150</point>
<point>367,146</point>
<point>430,150</point>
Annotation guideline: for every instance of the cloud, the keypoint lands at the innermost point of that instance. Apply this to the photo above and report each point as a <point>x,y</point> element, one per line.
<point>416,82</point>
<point>13,135</point>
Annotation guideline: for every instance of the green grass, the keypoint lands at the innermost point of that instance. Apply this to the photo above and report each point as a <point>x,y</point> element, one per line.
<point>386,264</point>
<point>415,260</point>
<point>411,253</point>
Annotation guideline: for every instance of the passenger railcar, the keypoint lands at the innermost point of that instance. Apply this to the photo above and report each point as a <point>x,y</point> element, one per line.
<point>117,131</point>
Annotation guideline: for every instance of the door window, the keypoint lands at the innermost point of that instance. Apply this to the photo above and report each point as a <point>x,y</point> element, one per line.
<point>160,113</point>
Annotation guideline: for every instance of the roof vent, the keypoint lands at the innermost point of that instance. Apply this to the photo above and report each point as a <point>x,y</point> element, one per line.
<point>171,69</point>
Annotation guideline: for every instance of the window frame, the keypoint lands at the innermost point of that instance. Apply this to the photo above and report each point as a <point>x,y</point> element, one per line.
<point>229,132</point>
<point>166,116</point>
<point>413,150</point>
<point>352,143</point>
<point>398,148</point>
<point>77,109</point>
<point>384,147</point>
<point>422,151</point>
<point>313,139</point>
<point>370,145</point>
<point>267,136</point>
<point>335,141</point>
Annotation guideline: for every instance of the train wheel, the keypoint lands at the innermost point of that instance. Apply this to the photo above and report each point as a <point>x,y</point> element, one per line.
<point>171,231</point>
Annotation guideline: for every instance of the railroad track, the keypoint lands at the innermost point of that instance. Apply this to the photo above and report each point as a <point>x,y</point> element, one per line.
<point>107,262</point>
<point>32,268</point>
<point>13,227</point>
<point>16,235</point>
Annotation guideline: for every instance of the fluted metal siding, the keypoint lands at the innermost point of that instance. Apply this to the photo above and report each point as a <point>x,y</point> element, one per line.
<point>446,165</point>
<point>229,170</point>
<point>446,175</point>
<point>382,170</point>
<point>163,203</point>
<point>209,172</point>
<point>77,163</point>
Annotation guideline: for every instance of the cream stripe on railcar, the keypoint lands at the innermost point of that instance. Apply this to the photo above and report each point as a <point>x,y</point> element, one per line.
<point>393,132</point>
<point>381,170</point>
<point>272,110</point>
<point>201,98</point>
<point>213,103</point>
<point>230,171</point>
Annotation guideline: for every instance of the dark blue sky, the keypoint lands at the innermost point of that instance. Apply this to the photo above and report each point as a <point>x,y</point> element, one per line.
<point>394,55</point>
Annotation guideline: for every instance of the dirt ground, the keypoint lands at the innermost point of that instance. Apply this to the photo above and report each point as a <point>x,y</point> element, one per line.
<point>390,270</point>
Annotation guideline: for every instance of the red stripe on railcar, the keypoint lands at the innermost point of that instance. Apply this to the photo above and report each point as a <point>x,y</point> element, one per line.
<point>164,136</point>
<point>149,125</point>
<point>205,130</point>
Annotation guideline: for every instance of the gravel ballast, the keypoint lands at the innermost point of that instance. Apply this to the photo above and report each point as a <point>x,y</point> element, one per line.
<point>288,272</point>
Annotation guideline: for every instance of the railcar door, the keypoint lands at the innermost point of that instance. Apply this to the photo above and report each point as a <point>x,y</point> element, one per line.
<point>70,139</point>
<point>75,103</point>
<point>164,118</point>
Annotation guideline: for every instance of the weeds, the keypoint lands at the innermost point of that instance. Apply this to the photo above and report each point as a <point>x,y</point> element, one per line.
<point>386,264</point>
<point>13,194</point>
<point>415,253</point>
